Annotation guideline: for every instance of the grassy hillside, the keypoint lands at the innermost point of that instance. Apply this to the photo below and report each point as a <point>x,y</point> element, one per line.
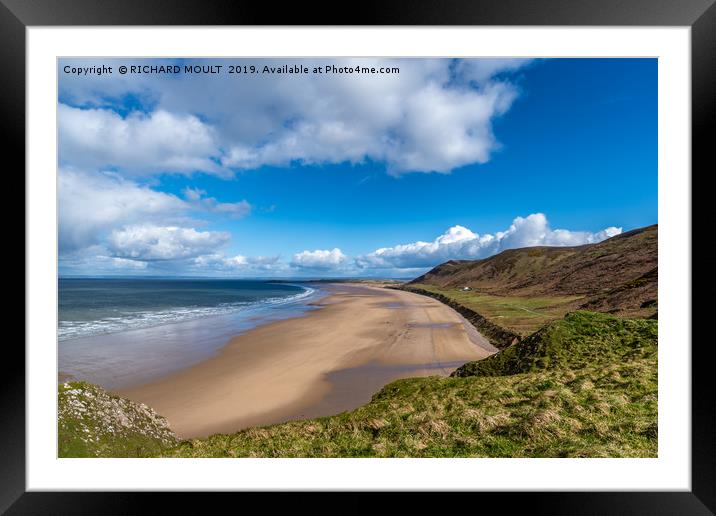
<point>618,275</point>
<point>522,315</point>
<point>580,340</point>
<point>582,387</point>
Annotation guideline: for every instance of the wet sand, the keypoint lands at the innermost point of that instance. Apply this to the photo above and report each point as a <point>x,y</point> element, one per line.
<point>319,364</point>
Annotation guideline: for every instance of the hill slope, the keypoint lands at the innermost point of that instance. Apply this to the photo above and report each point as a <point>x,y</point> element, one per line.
<point>580,340</point>
<point>618,275</point>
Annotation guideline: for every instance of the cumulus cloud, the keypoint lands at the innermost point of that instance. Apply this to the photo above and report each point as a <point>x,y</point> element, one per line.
<point>319,259</point>
<point>424,120</point>
<point>91,205</point>
<point>433,116</point>
<point>154,243</point>
<point>138,143</point>
<point>434,129</point>
<point>460,243</point>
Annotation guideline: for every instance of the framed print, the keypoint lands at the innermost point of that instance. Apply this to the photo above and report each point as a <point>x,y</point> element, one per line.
<point>418,251</point>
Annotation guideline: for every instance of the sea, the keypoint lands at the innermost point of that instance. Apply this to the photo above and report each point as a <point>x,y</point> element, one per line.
<point>124,332</point>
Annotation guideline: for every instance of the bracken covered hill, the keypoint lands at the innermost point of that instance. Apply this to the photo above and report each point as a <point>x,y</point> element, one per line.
<point>618,275</point>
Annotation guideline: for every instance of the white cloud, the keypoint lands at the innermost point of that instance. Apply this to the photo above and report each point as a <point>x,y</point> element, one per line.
<point>319,259</point>
<point>459,243</point>
<point>137,144</point>
<point>198,199</point>
<point>239,263</point>
<point>123,263</point>
<point>421,121</point>
<point>435,115</point>
<point>101,260</point>
<point>96,260</point>
<point>97,207</point>
<point>154,243</point>
<point>92,205</point>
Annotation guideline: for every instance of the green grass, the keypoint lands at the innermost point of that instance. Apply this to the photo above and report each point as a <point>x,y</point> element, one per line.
<point>523,315</point>
<point>585,386</point>
<point>581,339</point>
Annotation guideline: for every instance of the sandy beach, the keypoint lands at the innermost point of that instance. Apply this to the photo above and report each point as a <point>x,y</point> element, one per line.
<point>322,363</point>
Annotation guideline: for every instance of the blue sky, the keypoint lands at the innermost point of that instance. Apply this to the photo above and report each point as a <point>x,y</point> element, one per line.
<point>353,175</point>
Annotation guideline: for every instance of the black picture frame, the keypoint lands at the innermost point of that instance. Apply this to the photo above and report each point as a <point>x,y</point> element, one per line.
<point>700,15</point>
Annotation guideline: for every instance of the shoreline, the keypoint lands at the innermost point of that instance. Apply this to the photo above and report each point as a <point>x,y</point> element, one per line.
<point>136,356</point>
<point>324,362</point>
<point>70,330</point>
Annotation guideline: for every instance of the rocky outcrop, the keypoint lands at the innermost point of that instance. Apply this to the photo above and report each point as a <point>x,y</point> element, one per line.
<point>95,423</point>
